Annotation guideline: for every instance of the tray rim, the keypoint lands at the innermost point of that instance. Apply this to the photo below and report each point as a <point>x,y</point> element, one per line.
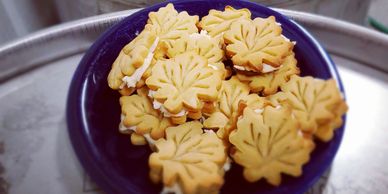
<point>22,47</point>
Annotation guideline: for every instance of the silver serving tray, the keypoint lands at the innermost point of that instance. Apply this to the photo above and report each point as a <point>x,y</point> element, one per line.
<point>35,74</point>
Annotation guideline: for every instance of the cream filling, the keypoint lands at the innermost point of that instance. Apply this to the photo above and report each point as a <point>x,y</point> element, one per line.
<point>175,188</point>
<point>266,68</point>
<point>149,139</point>
<point>123,128</point>
<point>300,133</point>
<point>227,165</point>
<point>130,81</point>
<point>157,105</point>
<point>197,36</point>
<point>213,66</point>
<point>288,40</point>
<point>269,68</point>
<point>259,110</point>
<point>130,129</point>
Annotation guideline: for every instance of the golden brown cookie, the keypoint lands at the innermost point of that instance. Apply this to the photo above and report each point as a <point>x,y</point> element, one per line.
<point>132,61</point>
<point>312,100</point>
<point>139,116</point>
<point>225,117</point>
<point>257,45</point>
<point>217,22</point>
<point>325,131</point>
<point>189,159</point>
<point>169,25</point>
<point>203,45</point>
<point>269,143</point>
<point>269,83</point>
<point>184,83</point>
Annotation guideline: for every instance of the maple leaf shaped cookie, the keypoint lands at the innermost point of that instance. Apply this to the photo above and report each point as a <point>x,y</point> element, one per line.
<point>169,25</point>
<point>132,61</point>
<point>269,83</point>
<point>254,44</point>
<point>139,116</point>
<point>203,45</point>
<point>311,100</point>
<point>217,22</point>
<point>184,82</point>
<point>325,131</point>
<point>190,158</point>
<point>267,144</point>
<point>225,117</point>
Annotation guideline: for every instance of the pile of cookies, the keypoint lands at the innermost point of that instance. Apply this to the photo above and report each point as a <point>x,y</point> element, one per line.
<point>226,88</point>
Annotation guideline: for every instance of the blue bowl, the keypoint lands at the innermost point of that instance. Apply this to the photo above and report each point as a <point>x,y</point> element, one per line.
<point>93,110</point>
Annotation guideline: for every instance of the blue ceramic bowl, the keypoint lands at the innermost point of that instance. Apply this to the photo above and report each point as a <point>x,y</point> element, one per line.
<point>93,110</point>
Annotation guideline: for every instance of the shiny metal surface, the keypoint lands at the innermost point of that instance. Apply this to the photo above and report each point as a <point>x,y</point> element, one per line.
<point>37,156</point>
<point>341,38</point>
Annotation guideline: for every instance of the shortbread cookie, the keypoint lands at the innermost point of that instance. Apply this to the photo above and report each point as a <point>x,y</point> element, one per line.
<point>188,160</point>
<point>269,83</point>
<point>184,83</point>
<point>216,23</point>
<point>257,45</point>
<point>138,115</point>
<point>201,44</point>
<point>169,25</point>
<point>224,119</point>
<point>269,143</point>
<point>132,61</point>
<point>325,131</point>
<point>255,102</point>
<point>311,100</point>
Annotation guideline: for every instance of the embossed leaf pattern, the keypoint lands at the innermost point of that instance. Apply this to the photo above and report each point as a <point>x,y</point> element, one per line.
<point>190,158</point>
<point>138,112</point>
<point>269,83</point>
<point>201,45</point>
<point>267,144</point>
<point>217,22</point>
<point>130,58</point>
<point>252,43</point>
<point>186,80</point>
<point>310,99</point>
<point>169,25</point>
<point>232,92</point>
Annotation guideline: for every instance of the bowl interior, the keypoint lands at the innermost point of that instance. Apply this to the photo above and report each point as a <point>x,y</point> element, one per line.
<point>94,113</point>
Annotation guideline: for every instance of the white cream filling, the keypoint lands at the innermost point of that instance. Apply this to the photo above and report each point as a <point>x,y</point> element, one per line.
<point>288,40</point>
<point>149,139</point>
<point>266,68</point>
<point>241,68</point>
<point>300,133</point>
<point>157,105</point>
<point>130,129</point>
<point>259,110</point>
<point>151,93</point>
<point>213,66</point>
<point>125,129</point>
<point>175,188</point>
<point>278,107</point>
<point>197,36</point>
<point>227,165</point>
<point>269,68</point>
<point>130,81</point>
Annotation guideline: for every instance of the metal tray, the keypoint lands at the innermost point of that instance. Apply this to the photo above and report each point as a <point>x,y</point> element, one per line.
<point>35,74</point>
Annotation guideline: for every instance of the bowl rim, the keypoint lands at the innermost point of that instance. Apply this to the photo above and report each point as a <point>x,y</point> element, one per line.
<point>77,119</point>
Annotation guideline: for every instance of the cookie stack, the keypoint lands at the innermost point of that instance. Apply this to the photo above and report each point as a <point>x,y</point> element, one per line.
<point>223,89</point>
